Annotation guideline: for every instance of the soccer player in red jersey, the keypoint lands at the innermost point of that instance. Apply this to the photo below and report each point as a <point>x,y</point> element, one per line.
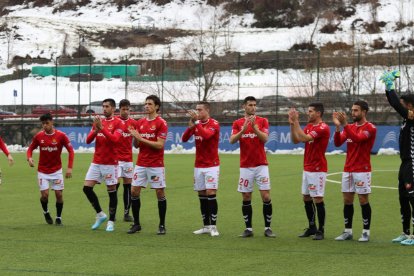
<point>150,134</point>
<point>3,147</point>
<point>106,132</point>
<point>315,135</point>
<point>252,132</point>
<point>124,148</point>
<point>206,133</point>
<point>50,142</point>
<point>356,178</point>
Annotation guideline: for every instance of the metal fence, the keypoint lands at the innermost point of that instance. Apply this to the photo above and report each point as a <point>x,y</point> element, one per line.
<point>278,79</point>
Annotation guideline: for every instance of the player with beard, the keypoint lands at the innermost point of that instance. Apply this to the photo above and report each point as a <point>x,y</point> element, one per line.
<point>356,178</point>
<point>315,135</point>
<point>150,134</point>
<point>106,132</point>
<point>252,132</point>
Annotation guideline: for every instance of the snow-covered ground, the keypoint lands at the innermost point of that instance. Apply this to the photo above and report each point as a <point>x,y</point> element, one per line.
<point>46,35</point>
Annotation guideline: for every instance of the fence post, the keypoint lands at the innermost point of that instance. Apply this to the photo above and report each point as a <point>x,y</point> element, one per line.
<point>277,83</point>
<point>126,77</point>
<point>359,68</point>
<point>238,83</point>
<point>56,87</point>
<point>22,107</point>
<point>399,68</point>
<point>90,83</point>
<point>162,85</point>
<point>317,72</point>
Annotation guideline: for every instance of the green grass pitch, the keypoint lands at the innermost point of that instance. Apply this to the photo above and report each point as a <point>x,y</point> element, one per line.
<point>28,246</point>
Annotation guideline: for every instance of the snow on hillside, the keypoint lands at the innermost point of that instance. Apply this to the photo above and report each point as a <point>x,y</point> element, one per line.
<point>44,34</point>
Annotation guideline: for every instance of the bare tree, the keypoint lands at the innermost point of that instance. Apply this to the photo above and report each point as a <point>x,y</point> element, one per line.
<point>206,48</point>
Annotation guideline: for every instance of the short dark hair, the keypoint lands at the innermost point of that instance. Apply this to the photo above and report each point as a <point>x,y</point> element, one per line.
<point>124,102</point>
<point>318,107</point>
<point>110,101</point>
<point>249,99</point>
<point>205,103</point>
<point>408,98</point>
<point>155,99</point>
<point>46,117</point>
<point>362,104</point>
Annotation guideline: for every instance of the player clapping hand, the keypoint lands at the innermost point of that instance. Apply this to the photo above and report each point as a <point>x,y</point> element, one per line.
<point>193,118</point>
<point>293,115</point>
<point>97,123</point>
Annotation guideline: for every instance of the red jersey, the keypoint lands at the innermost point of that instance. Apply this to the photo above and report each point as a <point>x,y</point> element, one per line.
<point>206,135</point>
<point>252,153</point>
<point>106,141</point>
<point>124,146</point>
<point>50,146</point>
<point>3,147</point>
<point>314,159</point>
<point>360,140</point>
<point>151,130</point>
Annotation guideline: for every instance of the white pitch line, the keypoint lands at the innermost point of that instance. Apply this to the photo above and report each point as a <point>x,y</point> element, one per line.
<point>379,187</point>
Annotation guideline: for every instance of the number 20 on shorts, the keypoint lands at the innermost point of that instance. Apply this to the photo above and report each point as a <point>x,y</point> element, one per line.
<point>244,182</point>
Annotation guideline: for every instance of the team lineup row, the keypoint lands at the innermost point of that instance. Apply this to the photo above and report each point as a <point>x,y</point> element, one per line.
<point>112,162</point>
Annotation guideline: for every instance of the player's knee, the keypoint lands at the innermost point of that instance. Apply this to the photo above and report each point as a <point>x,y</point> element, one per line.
<point>266,197</point>
<point>247,196</point>
<point>59,197</point>
<point>210,192</point>
<point>160,193</point>
<point>111,188</point>
<point>318,200</point>
<point>363,200</point>
<point>135,192</point>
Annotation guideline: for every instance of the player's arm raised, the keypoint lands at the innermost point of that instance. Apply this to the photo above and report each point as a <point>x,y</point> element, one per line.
<point>396,104</point>
<point>190,130</point>
<point>357,137</point>
<point>292,117</point>
<point>159,144</point>
<point>298,136</point>
<point>236,133</point>
<point>92,134</point>
<point>205,133</point>
<point>388,78</point>
<point>260,131</point>
<point>112,136</point>
<point>339,137</point>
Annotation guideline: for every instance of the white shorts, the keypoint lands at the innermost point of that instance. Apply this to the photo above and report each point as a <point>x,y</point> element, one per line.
<point>206,178</point>
<point>356,182</point>
<point>109,173</point>
<point>55,180</point>
<point>153,175</point>
<point>125,169</point>
<point>258,174</point>
<point>313,183</point>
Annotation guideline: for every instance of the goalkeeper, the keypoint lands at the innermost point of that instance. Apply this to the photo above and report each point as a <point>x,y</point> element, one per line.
<point>404,105</point>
